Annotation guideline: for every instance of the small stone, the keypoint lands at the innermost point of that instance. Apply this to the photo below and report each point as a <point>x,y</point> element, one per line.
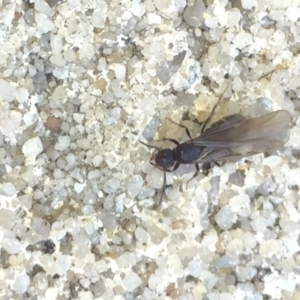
<point>79,187</point>
<point>100,15</point>
<point>293,14</point>
<point>63,264</point>
<point>30,118</point>
<point>196,268</point>
<point>168,68</point>
<point>43,7</point>
<point>54,124</point>
<point>44,24</point>
<point>32,147</point>
<point>138,8</point>
<point>63,143</point>
<point>127,259</point>
<point>131,281</point>
<point>259,223</point>
<point>9,189</point>
<point>10,122</point>
<point>142,235</point>
<point>234,17</point>
<point>134,185</point>
<point>113,117</point>
<point>211,22</point>
<point>11,245</point>
<point>225,217</point>
<point>97,160</point>
<point>51,294</point>
<point>78,118</point>
<point>193,15</point>
<point>271,248</point>
<point>7,91</point>
<point>249,4</point>
<point>7,218</point>
<point>94,174</point>
<point>21,283</point>
<point>112,186</point>
<point>41,226</point>
<point>84,144</point>
<point>238,85</point>
<point>71,160</point>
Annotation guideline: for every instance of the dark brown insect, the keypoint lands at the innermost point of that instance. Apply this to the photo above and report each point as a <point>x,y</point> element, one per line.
<point>228,139</point>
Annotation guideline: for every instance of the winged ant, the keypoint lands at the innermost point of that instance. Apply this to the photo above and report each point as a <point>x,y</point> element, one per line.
<point>228,139</point>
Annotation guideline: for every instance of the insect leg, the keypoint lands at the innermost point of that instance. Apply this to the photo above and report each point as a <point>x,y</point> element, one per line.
<point>163,190</point>
<point>177,164</point>
<point>195,174</point>
<point>213,111</point>
<point>182,126</point>
<point>149,146</point>
<point>170,140</point>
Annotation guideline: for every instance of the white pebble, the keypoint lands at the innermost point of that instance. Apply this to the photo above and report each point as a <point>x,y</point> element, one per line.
<point>97,160</point>
<point>111,186</point>
<point>21,283</point>
<point>63,264</point>
<point>71,159</point>
<point>259,223</point>
<point>63,143</point>
<point>234,17</point>
<point>44,24</point>
<point>58,174</point>
<point>249,4</point>
<point>10,121</point>
<point>293,14</point>
<point>43,7</point>
<point>32,147</point>
<point>51,294</point>
<point>142,235</point>
<point>30,118</point>
<point>7,91</point>
<point>84,144</point>
<point>131,281</point>
<point>9,189</point>
<point>86,295</point>
<point>113,117</point>
<point>127,259</point>
<point>99,16</point>
<point>291,245</point>
<point>78,118</point>
<point>8,218</point>
<point>41,226</point>
<point>11,245</point>
<point>79,187</point>
<point>196,268</point>
<point>94,174</point>
<point>271,248</point>
<point>211,22</point>
<point>138,8</point>
<point>225,217</point>
<point>238,85</point>
<point>134,185</point>
<point>272,161</point>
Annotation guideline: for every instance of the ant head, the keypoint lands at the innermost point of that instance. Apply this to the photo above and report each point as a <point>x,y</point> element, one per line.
<point>163,159</point>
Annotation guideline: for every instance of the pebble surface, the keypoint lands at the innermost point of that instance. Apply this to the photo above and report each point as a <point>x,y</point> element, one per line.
<point>81,83</point>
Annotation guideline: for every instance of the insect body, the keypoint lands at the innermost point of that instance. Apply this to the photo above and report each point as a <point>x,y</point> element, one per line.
<point>229,139</point>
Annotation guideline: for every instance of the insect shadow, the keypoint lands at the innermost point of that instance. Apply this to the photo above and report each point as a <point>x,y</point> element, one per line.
<point>228,139</point>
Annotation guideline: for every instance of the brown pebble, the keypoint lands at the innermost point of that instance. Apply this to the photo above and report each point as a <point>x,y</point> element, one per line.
<point>54,124</point>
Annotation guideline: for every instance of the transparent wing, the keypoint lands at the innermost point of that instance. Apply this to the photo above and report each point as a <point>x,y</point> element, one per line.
<point>235,137</point>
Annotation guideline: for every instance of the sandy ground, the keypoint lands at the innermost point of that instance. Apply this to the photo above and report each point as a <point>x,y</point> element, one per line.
<point>81,83</point>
